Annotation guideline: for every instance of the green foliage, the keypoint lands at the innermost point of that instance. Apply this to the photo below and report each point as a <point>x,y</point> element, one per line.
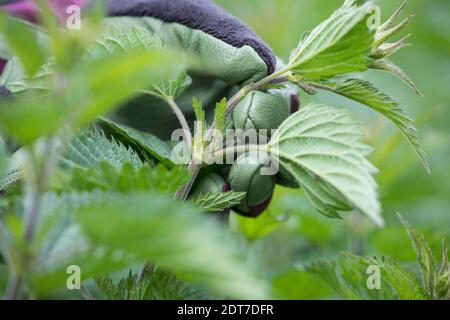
<point>145,143</point>
<point>16,81</point>
<point>91,147</point>
<point>402,282</point>
<point>347,280</point>
<point>220,115</point>
<point>321,147</point>
<point>130,288</point>
<point>172,88</point>
<point>300,285</point>
<point>60,242</point>
<point>389,66</point>
<point>348,277</point>
<point>23,41</point>
<point>156,228</point>
<point>113,208</point>
<point>218,201</point>
<point>436,282</point>
<point>254,229</point>
<point>9,179</point>
<point>339,45</point>
<point>156,284</point>
<point>366,93</point>
<point>107,177</point>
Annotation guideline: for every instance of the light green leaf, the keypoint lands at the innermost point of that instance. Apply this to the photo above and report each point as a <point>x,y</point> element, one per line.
<point>341,44</point>
<point>172,88</point>
<point>218,201</point>
<point>321,147</point>
<point>32,116</point>
<point>15,79</point>
<point>143,141</point>
<point>156,284</point>
<point>254,229</point>
<point>120,38</point>
<point>331,273</point>
<point>402,282</point>
<point>443,276</point>
<point>300,285</point>
<point>129,288</point>
<point>172,235</point>
<point>366,93</point>
<point>22,39</point>
<point>424,256</point>
<point>198,110</point>
<point>10,178</point>
<point>389,66</point>
<point>220,115</point>
<point>91,147</point>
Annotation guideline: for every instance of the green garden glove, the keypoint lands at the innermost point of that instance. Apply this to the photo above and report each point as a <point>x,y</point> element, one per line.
<point>230,54</point>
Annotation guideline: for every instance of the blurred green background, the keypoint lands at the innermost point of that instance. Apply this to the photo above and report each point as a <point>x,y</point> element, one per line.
<point>292,234</point>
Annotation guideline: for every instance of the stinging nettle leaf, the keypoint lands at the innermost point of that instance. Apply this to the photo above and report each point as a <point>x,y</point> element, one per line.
<point>339,45</point>
<point>91,147</point>
<point>425,258</point>
<point>321,147</point>
<point>143,141</point>
<point>366,93</point>
<point>218,201</point>
<point>107,177</point>
<point>121,37</point>
<point>402,282</point>
<point>389,66</point>
<point>172,88</point>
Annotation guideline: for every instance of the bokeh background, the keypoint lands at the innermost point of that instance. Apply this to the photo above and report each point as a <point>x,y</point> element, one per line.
<point>291,234</point>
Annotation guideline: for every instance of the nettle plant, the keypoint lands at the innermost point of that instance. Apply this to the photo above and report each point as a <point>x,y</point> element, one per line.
<point>83,190</point>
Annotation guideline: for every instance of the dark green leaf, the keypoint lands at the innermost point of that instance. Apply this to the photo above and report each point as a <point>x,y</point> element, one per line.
<point>218,201</point>
<point>146,142</point>
<point>91,147</point>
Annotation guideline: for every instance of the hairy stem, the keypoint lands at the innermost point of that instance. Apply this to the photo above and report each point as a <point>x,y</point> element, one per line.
<point>187,134</point>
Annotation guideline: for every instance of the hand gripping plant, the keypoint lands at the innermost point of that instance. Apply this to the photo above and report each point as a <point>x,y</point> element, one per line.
<point>101,180</point>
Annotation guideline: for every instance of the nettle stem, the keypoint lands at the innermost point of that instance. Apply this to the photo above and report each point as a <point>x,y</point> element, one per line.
<point>187,134</point>
<point>39,169</point>
<point>194,168</point>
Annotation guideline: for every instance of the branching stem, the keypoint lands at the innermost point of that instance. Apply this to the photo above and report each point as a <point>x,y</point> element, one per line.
<point>275,78</point>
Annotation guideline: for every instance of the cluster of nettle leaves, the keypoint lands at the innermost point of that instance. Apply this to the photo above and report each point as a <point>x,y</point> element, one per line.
<point>102,199</point>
